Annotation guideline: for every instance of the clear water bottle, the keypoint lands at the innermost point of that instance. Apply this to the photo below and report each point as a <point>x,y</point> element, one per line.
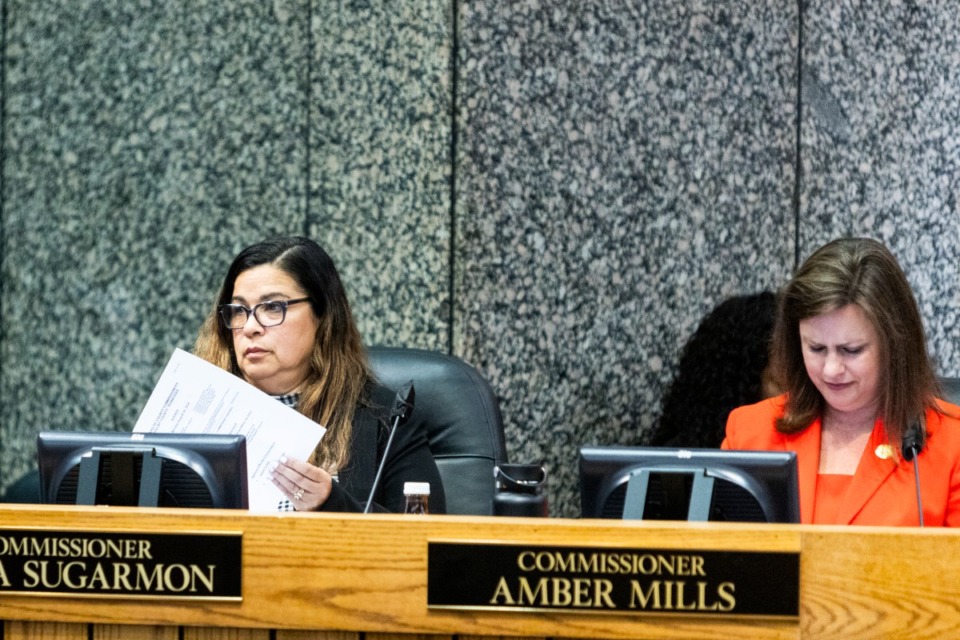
<point>417,497</point>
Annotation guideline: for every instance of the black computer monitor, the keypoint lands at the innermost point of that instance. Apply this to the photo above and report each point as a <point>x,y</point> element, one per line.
<point>661,483</point>
<point>143,469</point>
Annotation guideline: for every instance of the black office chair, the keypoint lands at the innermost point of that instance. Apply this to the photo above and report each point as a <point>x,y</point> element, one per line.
<point>951,389</point>
<point>462,418</point>
<point>25,490</point>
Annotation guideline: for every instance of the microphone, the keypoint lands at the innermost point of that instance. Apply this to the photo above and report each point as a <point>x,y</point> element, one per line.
<point>402,408</point>
<point>911,444</point>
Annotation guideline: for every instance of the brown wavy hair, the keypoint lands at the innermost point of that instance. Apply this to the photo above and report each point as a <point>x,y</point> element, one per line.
<point>863,272</point>
<point>339,375</point>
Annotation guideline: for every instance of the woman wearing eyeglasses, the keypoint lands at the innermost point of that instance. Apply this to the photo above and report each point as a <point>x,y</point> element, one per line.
<point>282,322</point>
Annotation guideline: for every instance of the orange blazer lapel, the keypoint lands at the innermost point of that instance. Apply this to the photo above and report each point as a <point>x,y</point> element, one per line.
<point>876,465</point>
<point>807,445</point>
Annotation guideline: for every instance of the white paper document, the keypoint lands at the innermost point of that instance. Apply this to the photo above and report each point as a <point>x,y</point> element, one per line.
<point>194,396</point>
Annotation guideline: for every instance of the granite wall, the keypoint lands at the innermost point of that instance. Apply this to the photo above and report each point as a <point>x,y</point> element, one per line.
<point>880,144</point>
<point>555,191</point>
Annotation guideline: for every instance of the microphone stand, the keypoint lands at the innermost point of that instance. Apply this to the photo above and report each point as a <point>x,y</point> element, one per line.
<point>402,408</point>
<point>916,474</point>
<point>911,446</point>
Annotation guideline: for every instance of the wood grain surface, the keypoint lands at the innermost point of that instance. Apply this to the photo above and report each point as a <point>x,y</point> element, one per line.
<point>346,574</point>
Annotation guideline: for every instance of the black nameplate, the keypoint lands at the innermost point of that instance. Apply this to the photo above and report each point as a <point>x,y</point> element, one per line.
<point>598,579</point>
<point>109,564</point>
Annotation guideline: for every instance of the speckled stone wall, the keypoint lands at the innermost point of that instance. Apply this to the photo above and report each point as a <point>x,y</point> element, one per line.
<point>380,161</point>
<point>881,144</point>
<point>146,144</point>
<point>621,171</point>
<point>556,191</point>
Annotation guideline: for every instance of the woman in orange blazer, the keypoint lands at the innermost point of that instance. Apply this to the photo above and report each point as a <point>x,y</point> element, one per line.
<point>860,406</point>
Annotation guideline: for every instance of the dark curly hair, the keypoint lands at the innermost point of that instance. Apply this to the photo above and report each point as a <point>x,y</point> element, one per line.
<point>721,368</point>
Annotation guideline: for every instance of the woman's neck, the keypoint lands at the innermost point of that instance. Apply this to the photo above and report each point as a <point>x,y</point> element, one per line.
<point>850,422</point>
<point>843,438</point>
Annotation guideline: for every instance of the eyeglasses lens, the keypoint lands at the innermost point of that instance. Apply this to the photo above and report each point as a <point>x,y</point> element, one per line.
<point>268,314</point>
<point>234,315</point>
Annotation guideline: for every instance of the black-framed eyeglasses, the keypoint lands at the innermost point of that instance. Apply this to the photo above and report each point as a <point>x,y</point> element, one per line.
<point>268,314</point>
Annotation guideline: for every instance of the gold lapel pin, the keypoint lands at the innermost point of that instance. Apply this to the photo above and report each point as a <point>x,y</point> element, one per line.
<point>884,451</point>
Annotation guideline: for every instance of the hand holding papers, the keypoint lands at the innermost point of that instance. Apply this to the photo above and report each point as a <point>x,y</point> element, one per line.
<point>194,396</point>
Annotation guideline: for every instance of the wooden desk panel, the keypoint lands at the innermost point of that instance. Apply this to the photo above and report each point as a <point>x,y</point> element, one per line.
<point>345,574</point>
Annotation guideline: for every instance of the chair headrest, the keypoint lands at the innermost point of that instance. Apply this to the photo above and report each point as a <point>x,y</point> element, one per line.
<point>951,389</point>
<point>457,405</point>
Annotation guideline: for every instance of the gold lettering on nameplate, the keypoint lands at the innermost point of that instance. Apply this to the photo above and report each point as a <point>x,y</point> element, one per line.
<point>516,577</point>
<point>675,595</point>
<point>555,592</point>
<point>121,564</point>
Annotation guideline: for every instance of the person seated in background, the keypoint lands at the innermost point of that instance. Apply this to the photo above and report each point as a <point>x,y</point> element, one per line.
<point>723,366</point>
<point>850,353</point>
<point>283,323</point>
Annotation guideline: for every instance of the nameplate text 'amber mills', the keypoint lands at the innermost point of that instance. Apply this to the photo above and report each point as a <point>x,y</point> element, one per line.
<point>616,580</point>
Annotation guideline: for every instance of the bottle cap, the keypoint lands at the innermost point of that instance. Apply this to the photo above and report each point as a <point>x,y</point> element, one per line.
<point>416,488</point>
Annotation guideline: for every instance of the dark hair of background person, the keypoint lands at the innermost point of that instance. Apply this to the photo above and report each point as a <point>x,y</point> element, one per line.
<point>722,367</point>
<point>340,373</point>
<point>863,272</point>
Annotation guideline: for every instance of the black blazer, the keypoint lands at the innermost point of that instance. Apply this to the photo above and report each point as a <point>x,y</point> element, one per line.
<point>409,460</point>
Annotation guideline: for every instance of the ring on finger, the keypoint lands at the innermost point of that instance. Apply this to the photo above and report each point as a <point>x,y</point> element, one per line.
<point>298,494</point>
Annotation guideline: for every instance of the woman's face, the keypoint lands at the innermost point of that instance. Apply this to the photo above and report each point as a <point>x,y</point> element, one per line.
<point>274,359</point>
<point>841,351</point>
